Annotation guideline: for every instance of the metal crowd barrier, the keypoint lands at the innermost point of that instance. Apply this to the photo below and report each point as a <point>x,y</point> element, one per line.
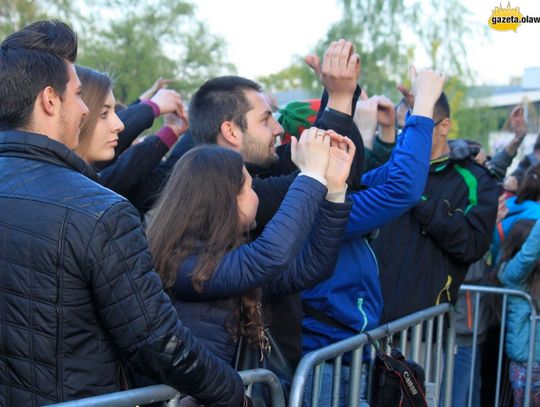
<point>505,292</point>
<point>413,324</point>
<point>152,394</point>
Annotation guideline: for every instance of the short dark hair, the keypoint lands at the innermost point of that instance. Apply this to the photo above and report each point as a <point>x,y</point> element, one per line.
<point>442,108</point>
<point>216,101</point>
<point>30,60</point>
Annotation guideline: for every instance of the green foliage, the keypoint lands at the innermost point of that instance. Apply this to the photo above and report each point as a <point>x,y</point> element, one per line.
<point>136,42</point>
<point>15,14</point>
<point>157,38</point>
<point>296,76</point>
<point>389,35</point>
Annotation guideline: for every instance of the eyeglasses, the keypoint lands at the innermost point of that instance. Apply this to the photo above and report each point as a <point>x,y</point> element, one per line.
<point>439,121</point>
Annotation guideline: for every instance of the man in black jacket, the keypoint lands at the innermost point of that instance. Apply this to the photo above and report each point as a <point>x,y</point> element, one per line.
<point>78,293</point>
<point>233,112</point>
<point>424,255</point>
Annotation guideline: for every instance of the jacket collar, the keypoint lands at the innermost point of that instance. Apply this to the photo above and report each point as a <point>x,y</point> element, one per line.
<point>32,146</point>
<point>261,172</point>
<point>460,150</point>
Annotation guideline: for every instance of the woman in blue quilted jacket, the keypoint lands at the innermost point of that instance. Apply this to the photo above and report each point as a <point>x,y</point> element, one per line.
<point>199,238</point>
<point>521,251</point>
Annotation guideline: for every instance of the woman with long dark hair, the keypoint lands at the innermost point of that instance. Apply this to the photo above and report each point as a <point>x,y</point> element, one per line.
<point>199,239</point>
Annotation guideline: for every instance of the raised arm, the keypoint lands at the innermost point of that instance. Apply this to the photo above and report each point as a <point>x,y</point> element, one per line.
<point>397,185</point>
<point>319,254</point>
<point>253,265</point>
<point>132,169</point>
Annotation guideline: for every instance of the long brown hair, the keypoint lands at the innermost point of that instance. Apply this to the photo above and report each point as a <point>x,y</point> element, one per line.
<point>197,215</point>
<point>95,88</point>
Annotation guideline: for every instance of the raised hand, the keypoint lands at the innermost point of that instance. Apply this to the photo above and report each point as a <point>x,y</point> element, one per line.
<point>339,73</point>
<point>342,151</point>
<point>517,121</point>
<point>160,83</point>
<point>178,124</point>
<point>386,116</point>
<point>168,101</point>
<point>427,87</point>
<point>408,98</point>
<point>365,118</point>
<point>312,152</point>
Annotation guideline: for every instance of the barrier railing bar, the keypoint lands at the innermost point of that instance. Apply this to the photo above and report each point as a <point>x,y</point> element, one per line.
<point>475,347</point>
<point>270,379</point>
<point>162,392</point>
<point>336,385</point>
<point>429,349</point>
<point>506,292</point>
<point>352,343</point>
<point>144,395</point>
<point>403,341</point>
<point>438,354</point>
<point>317,377</point>
<point>531,357</point>
<point>356,365</point>
<point>449,365</point>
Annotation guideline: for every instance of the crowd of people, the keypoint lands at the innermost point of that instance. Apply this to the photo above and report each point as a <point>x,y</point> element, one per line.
<point>126,263</point>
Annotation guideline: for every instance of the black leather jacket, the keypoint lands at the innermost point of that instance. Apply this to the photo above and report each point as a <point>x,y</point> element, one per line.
<point>78,293</point>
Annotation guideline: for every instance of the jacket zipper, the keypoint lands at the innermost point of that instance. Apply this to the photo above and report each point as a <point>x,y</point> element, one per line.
<point>363,313</point>
<point>59,328</point>
<point>373,254</point>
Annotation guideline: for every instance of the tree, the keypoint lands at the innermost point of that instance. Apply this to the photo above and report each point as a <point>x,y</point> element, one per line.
<point>389,35</point>
<point>135,42</point>
<point>374,27</point>
<point>15,14</point>
<point>153,39</point>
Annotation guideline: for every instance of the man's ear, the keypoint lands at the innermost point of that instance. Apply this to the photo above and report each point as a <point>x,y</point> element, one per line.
<point>49,101</point>
<point>445,125</point>
<point>231,134</point>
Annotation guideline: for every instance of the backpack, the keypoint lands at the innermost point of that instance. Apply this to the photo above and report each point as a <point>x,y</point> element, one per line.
<point>396,381</point>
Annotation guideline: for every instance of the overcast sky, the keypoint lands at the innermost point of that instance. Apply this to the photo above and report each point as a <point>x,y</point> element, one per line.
<point>263,36</point>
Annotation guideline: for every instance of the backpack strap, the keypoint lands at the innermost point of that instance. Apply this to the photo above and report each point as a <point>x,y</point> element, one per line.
<point>409,383</point>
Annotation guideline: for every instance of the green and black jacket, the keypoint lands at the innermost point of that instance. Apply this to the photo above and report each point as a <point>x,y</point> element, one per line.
<point>424,255</point>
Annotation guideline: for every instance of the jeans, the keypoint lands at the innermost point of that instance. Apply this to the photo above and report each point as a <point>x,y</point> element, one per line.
<point>325,388</point>
<point>461,381</point>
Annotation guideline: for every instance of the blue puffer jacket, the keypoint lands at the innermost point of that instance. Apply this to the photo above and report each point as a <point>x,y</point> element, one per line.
<point>353,295</point>
<point>78,293</point>
<point>515,276</point>
<point>299,246</point>
<point>516,211</point>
